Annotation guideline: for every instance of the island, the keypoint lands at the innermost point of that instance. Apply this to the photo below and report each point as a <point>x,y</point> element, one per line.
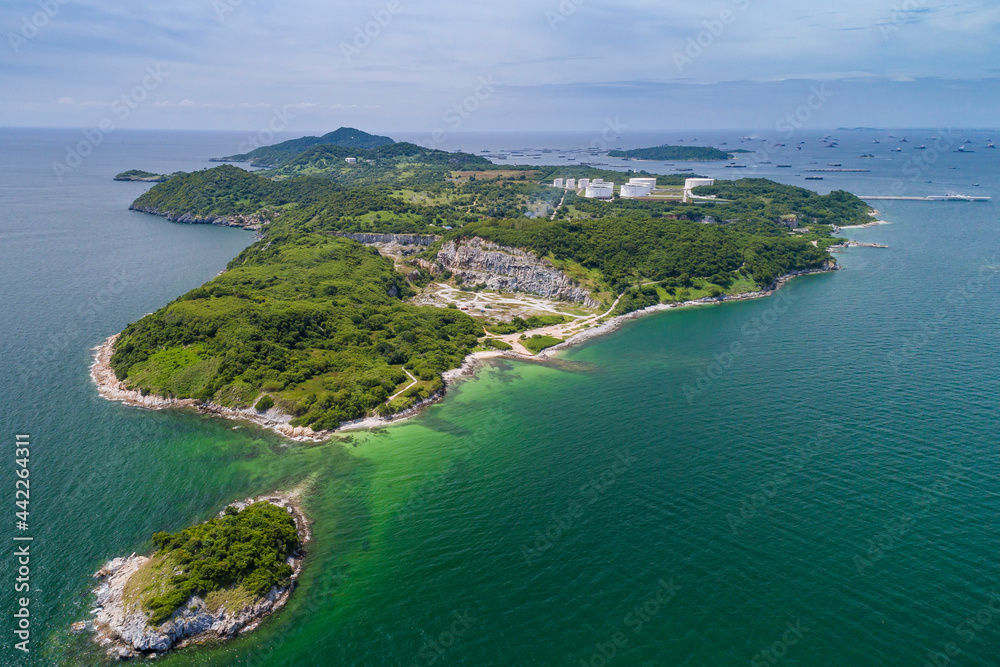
<point>678,153</point>
<point>142,176</point>
<point>279,154</point>
<point>210,581</point>
<point>374,284</point>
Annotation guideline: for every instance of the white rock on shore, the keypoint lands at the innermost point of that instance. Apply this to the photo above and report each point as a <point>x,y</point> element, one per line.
<point>123,628</point>
<point>113,389</point>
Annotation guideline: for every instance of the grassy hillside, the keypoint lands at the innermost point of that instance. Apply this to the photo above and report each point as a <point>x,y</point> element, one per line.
<point>316,323</point>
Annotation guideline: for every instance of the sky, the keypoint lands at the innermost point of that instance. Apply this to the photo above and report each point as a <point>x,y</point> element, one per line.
<point>517,65</point>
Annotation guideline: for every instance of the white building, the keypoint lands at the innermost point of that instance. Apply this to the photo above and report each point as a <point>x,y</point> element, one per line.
<point>583,183</point>
<point>351,160</point>
<point>598,189</point>
<point>571,184</point>
<point>558,183</point>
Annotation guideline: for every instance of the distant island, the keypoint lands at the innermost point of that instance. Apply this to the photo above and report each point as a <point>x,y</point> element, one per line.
<point>680,153</point>
<point>142,176</point>
<point>278,155</point>
<point>214,580</point>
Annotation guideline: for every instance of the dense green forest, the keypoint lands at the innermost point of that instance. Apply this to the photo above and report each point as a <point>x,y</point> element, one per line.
<point>321,327</point>
<point>279,154</point>
<point>229,190</point>
<point>627,251</point>
<point>317,323</point>
<point>246,549</point>
<point>762,199</point>
<point>679,153</point>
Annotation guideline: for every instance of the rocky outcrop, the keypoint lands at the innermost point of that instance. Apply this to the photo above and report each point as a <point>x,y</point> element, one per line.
<point>122,626</point>
<point>392,244</point>
<point>431,267</point>
<point>251,222</point>
<point>390,239</point>
<point>477,261</point>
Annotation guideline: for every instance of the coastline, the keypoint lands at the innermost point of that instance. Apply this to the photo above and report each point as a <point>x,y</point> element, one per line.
<point>253,223</point>
<point>615,323</point>
<point>111,388</point>
<point>875,223</point>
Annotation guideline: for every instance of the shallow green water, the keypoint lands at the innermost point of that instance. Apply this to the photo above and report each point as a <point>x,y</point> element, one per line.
<point>833,472</point>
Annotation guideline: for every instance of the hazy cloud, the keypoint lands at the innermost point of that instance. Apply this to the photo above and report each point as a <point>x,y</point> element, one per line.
<point>230,61</point>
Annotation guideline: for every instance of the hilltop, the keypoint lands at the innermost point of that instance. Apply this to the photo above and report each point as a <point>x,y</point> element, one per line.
<point>279,154</point>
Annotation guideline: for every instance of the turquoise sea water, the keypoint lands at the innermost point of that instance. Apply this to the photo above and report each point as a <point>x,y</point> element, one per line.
<point>815,474</point>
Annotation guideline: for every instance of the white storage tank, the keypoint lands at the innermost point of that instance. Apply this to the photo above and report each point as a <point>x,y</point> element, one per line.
<point>558,183</point>
<point>648,182</point>
<point>600,190</point>
<point>570,183</point>
<point>693,183</point>
<point>630,190</point>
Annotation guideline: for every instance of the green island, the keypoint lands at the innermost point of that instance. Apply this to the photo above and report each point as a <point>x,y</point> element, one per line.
<point>679,153</point>
<point>279,154</point>
<point>371,280</point>
<point>211,580</point>
<point>142,176</point>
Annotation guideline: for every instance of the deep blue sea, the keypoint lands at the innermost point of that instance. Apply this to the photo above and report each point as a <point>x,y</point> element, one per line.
<point>825,492</point>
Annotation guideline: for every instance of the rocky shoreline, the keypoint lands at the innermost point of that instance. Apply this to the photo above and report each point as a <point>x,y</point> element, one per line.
<point>123,630</point>
<point>113,389</point>
<point>253,223</point>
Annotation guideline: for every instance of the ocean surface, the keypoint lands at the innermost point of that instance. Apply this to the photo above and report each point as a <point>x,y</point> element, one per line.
<point>809,479</point>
